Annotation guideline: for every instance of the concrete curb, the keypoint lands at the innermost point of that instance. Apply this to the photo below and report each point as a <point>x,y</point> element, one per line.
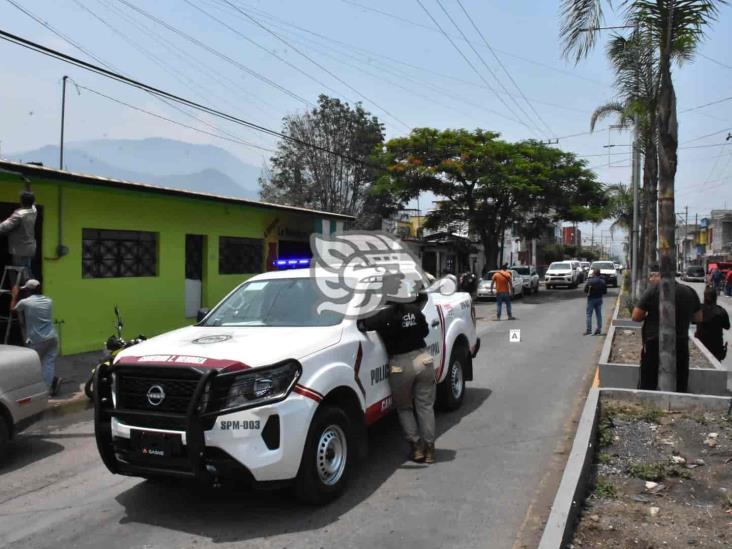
<point>571,493</point>
<point>76,403</point>
<point>702,381</point>
<point>573,487</point>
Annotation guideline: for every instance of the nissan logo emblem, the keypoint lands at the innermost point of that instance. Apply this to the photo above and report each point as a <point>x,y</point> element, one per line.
<point>155,395</point>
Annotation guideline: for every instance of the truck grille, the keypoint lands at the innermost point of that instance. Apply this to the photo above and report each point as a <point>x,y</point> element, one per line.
<point>176,384</point>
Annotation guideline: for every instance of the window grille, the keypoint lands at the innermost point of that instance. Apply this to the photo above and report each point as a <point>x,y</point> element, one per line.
<point>118,254</point>
<point>240,255</point>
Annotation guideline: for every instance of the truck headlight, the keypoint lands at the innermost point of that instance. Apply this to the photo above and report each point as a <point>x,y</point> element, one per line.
<point>262,385</point>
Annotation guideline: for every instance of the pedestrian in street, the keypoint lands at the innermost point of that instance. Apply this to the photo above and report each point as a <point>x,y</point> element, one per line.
<point>728,284</point>
<point>595,288</point>
<point>503,284</point>
<point>716,280</point>
<point>20,228</point>
<point>714,320</point>
<point>36,313</point>
<point>403,327</point>
<point>688,309</point>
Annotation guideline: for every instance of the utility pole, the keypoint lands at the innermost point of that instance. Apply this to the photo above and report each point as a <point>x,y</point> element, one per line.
<point>63,115</point>
<point>686,233</point>
<point>634,232</point>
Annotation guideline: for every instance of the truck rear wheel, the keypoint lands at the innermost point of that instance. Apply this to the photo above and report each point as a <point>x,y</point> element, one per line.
<point>4,438</point>
<point>328,457</point>
<point>451,391</point>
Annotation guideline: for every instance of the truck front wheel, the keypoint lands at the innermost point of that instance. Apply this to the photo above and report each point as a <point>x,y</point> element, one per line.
<point>327,458</point>
<point>4,437</point>
<point>451,391</point>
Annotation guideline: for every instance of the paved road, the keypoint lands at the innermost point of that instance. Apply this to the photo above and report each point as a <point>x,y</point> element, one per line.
<point>499,459</point>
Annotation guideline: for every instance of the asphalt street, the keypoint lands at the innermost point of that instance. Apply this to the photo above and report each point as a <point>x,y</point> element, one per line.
<point>499,460</point>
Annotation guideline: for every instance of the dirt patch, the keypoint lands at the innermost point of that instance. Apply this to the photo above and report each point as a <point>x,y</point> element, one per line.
<point>627,345</point>
<point>661,479</point>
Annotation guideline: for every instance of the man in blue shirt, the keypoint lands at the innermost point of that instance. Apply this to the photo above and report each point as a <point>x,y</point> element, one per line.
<point>595,288</point>
<point>40,333</point>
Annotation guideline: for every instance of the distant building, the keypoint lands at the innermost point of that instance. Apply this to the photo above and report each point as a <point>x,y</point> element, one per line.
<point>157,253</point>
<point>720,229</point>
<point>571,236</point>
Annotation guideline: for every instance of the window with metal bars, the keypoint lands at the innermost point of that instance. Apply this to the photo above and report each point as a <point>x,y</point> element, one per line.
<point>118,254</point>
<point>238,255</point>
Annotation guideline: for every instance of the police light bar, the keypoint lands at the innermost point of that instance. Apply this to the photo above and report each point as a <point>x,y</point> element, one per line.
<point>291,263</point>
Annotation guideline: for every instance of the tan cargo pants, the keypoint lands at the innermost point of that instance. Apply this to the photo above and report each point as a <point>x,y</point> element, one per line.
<point>412,382</point>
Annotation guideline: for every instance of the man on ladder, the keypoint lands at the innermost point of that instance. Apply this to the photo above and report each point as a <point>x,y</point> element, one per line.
<point>40,333</point>
<point>21,230</point>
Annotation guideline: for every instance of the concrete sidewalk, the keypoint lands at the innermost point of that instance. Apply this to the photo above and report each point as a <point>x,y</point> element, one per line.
<point>75,371</point>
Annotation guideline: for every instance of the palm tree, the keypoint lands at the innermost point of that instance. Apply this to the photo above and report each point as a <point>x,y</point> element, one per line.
<point>636,70</point>
<point>675,28</point>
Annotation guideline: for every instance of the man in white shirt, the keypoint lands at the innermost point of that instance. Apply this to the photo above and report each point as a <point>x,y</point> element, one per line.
<point>36,313</point>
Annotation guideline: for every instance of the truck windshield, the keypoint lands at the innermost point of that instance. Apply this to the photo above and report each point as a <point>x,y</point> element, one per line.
<point>521,270</point>
<point>560,266</point>
<point>277,302</point>
<point>603,265</point>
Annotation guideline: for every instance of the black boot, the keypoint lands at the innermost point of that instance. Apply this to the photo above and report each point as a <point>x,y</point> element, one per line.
<point>417,452</point>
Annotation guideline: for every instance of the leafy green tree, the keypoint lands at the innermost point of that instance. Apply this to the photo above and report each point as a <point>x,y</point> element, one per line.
<point>314,177</point>
<point>488,184</point>
<point>675,28</point>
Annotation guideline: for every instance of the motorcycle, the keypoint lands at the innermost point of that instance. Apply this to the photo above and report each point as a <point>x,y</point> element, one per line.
<point>113,346</point>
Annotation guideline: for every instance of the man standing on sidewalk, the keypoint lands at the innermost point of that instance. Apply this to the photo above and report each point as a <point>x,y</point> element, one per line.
<point>40,334</point>
<point>503,284</point>
<point>595,288</point>
<point>688,309</point>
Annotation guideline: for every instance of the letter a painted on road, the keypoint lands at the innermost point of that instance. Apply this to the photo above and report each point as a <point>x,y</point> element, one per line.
<point>514,336</point>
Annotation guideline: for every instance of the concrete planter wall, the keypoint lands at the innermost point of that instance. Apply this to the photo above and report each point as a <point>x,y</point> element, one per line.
<point>702,381</point>
<point>576,478</point>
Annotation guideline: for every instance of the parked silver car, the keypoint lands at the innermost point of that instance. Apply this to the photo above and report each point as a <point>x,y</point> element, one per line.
<point>486,288</point>
<point>529,276</point>
<point>23,395</point>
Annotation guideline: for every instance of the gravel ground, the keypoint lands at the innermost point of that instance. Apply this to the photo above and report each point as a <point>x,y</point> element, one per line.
<point>660,480</point>
<point>627,349</point>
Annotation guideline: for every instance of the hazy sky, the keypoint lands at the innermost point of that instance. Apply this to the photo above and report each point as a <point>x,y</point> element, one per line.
<point>396,62</point>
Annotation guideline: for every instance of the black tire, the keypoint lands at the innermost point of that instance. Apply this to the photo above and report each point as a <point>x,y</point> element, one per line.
<point>451,392</point>
<point>329,424</point>
<point>4,438</point>
<point>89,388</point>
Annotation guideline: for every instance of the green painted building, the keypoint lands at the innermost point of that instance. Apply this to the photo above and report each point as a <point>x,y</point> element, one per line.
<point>159,254</point>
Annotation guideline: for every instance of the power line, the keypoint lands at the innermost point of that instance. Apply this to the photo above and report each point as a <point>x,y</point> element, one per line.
<point>218,54</point>
<point>316,63</point>
<point>470,64</point>
<point>488,68</point>
<point>257,45</point>
<point>706,105</point>
<point>50,52</point>
<point>714,61</point>
<point>369,55</point>
<point>161,117</point>
<point>504,52</point>
<point>79,47</point>
<point>508,73</point>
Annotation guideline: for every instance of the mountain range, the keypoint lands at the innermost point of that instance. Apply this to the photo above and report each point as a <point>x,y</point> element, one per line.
<point>159,161</point>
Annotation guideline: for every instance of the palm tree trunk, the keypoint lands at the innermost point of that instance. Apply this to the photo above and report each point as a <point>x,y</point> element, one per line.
<point>651,168</point>
<point>668,137</point>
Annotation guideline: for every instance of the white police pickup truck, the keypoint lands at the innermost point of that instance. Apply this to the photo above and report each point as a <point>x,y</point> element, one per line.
<point>264,390</point>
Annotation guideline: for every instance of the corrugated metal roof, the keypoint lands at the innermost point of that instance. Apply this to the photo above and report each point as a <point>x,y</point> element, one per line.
<point>32,170</point>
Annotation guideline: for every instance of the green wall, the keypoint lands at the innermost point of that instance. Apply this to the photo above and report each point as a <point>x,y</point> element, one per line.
<point>149,305</point>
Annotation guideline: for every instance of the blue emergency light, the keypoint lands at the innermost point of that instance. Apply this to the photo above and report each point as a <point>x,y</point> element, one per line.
<point>291,263</point>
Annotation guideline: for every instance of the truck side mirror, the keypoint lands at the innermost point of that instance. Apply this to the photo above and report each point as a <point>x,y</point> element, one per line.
<point>202,312</point>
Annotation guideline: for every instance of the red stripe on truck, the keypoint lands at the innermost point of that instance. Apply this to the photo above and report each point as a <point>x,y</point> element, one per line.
<point>309,393</point>
<point>378,410</point>
<point>225,365</point>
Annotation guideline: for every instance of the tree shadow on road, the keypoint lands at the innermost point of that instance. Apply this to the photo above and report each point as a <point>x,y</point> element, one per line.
<point>230,515</point>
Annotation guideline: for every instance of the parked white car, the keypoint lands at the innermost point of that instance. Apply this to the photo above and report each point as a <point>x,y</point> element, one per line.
<point>607,271</point>
<point>561,273</point>
<point>486,289</point>
<point>529,277</point>
<point>23,395</point>
<point>265,390</point>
